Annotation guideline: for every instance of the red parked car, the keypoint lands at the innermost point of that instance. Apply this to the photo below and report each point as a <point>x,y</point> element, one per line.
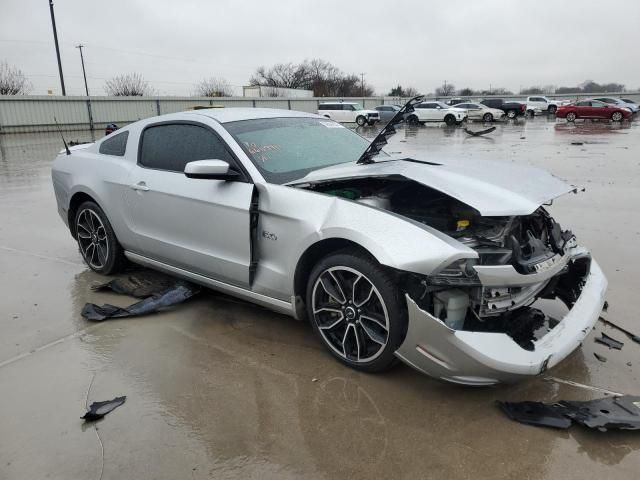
<point>592,109</point>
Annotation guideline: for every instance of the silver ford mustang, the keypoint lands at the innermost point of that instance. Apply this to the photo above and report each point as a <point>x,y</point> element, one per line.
<point>454,268</point>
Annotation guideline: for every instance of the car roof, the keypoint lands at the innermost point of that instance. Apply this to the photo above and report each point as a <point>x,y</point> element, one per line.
<point>224,115</point>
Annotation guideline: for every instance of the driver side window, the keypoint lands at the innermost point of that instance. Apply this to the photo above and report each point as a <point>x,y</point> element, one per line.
<point>171,146</point>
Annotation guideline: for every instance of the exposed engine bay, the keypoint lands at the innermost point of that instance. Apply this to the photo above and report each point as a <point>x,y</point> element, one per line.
<point>531,244</point>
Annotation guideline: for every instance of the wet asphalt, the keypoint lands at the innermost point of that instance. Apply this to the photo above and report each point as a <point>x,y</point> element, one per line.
<point>218,388</point>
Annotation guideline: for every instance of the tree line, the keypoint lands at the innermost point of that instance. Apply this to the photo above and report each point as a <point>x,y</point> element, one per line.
<point>320,76</point>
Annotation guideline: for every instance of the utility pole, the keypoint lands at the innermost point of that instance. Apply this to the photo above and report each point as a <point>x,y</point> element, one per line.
<point>362,83</point>
<point>84,74</point>
<point>55,39</point>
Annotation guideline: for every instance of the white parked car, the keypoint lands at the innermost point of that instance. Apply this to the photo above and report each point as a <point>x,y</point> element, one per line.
<point>436,262</point>
<point>348,112</point>
<point>433,111</point>
<point>478,111</point>
<point>543,103</point>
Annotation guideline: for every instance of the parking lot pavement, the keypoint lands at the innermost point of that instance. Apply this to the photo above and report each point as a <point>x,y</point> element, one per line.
<point>217,388</point>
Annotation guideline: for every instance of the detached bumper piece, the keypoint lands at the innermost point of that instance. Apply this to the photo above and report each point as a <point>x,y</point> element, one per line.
<point>613,413</point>
<point>486,358</point>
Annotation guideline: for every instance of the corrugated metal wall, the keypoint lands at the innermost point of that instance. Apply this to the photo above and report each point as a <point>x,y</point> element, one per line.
<point>39,113</point>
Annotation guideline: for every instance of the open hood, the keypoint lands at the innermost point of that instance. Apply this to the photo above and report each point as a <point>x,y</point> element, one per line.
<point>492,188</point>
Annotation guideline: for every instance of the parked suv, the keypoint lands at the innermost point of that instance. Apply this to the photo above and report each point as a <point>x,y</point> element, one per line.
<point>512,109</point>
<point>436,112</point>
<point>348,112</point>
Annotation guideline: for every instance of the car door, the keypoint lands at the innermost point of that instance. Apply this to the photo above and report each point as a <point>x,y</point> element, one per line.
<point>599,110</point>
<point>198,225</point>
<point>583,109</point>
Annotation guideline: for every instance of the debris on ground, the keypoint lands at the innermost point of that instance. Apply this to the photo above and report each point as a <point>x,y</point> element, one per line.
<point>97,410</point>
<point>577,143</point>
<point>605,339</point>
<point>613,413</point>
<point>602,358</point>
<point>631,335</point>
<point>156,290</point>
<point>479,132</point>
<point>141,284</point>
<point>535,413</point>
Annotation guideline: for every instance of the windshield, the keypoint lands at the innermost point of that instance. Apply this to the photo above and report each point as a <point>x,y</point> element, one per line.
<point>285,149</point>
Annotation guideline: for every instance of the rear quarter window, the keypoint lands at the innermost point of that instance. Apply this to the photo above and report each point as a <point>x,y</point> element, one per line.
<point>115,144</point>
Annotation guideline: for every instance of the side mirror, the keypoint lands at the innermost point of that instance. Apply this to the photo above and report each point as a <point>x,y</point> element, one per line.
<point>210,170</point>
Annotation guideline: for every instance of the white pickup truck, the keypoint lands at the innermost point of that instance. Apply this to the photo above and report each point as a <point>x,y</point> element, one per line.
<point>543,103</point>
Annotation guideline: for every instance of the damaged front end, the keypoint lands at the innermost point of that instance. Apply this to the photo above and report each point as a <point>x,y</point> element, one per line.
<point>519,308</point>
<point>520,305</point>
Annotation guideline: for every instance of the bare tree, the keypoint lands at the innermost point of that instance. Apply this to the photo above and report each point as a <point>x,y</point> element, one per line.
<point>13,81</point>
<point>128,85</point>
<point>466,92</point>
<point>324,78</point>
<point>446,90</point>
<point>214,87</point>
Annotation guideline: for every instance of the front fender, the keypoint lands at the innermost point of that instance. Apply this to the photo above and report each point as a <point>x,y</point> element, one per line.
<point>293,219</point>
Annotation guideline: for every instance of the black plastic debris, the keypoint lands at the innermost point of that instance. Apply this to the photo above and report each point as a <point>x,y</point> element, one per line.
<point>614,413</point>
<point>610,413</point>
<point>141,284</point>
<point>178,293</point>
<point>602,358</point>
<point>479,132</point>
<point>605,339</point>
<point>631,335</point>
<point>97,410</point>
<point>535,413</point>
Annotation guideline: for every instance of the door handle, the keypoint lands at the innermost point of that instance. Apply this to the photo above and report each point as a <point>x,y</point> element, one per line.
<point>142,186</point>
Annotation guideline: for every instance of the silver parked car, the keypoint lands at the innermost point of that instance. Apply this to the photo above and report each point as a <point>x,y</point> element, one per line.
<point>437,263</point>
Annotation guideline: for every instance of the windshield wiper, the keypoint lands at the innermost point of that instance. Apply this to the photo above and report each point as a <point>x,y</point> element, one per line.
<point>381,139</point>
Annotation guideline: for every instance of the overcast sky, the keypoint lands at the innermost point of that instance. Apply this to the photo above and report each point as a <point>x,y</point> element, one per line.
<point>473,43</point>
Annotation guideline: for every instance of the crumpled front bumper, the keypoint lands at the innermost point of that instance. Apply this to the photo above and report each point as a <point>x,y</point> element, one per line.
<point>485,358</point>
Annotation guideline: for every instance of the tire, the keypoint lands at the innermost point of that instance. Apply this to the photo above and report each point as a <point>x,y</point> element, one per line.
<point>372,123</point>
<point>450,120</point>
<point>98,244</point>
<point>511,114</point>
<point>571,116</point>
<point>616,116</point>
<point>413,120</point>
<point>487,117</point>
<point>552,109</point>
<point>361,121</point>
<point>531,113</point>
<point>363,330</point>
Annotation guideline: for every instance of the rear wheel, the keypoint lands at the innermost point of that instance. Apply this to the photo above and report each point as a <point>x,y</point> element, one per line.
<point>616,116</point>
<point>552,109</point>
<point>361,121</point>
<point>97,241</point>
<point>571,116</point>
<point>356,310</point>
<point>487,117</point>
<point>450,120</point>
<point>511,114</point>
<point>413,120</point>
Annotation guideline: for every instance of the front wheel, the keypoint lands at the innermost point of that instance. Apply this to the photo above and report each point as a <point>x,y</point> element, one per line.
<point>413,120</point>
<point>571,117</point>
<point>97,241</point>
<point>511,114</point>
<point>552,109</point>
<point>356,309</point>
<point>450,120</point>
<point>616,116</point>
<point>361,121</point>
<point>487,117</point>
